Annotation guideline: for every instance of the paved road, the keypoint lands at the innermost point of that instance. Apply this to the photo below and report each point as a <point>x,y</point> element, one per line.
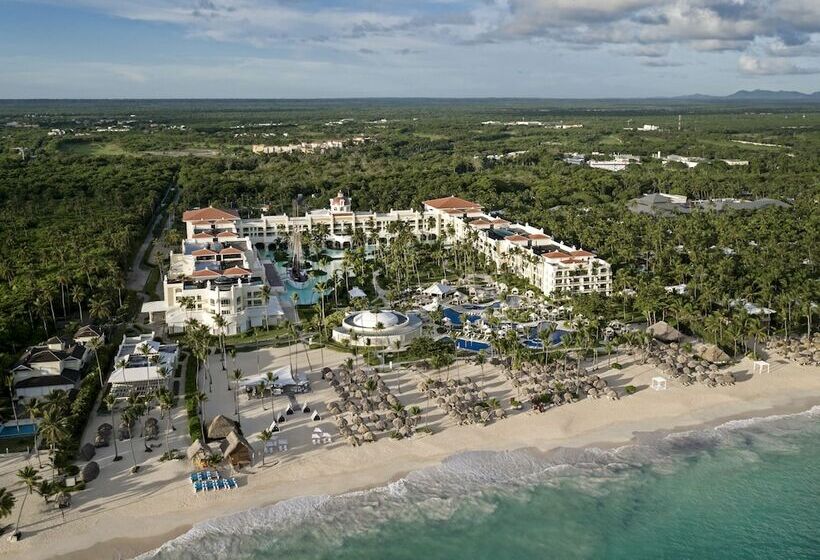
<point>136,274</point>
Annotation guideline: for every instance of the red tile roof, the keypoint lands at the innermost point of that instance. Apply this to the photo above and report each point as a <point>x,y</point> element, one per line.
<point>205,273</point>
<point>230,251</point>
<point>236,271</point>
<point>581,253</point>
<point>556,255</point>
<point>516,238</point>
<point>226,234</point>
<point>539,236</point>
<point>203,235</point>
<point>452,203</point>
<point>203,253</point>
<point>209,214</point>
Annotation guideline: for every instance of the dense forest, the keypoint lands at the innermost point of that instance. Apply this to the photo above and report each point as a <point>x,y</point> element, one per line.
<point>76,201</point>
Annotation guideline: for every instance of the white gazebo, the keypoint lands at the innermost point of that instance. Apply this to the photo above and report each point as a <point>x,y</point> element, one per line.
<point>439,289</point>
<point>659,383</point>
<point>760,366</point>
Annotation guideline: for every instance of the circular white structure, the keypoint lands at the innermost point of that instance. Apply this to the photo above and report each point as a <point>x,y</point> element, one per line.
<point>385,328</point>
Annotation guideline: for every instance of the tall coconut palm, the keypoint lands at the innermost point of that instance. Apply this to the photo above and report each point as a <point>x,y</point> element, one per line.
<point>78,296</point>
<point>166,405</point>
<point>28,475</point>
<point>265,436</point>
<point>480,360</point>
<point>271,379</point>
<point>200,399</point>
<point>266,295</point>
<point>95,344</point>
<point>9,379</point>
<point>134,411</point>
<point>110,401</point>
<point>236,375</point>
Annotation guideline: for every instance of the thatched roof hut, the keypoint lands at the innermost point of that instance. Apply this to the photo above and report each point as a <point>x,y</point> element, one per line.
<point>712,354</point>
<point>90,471</point>
<point>87,452</point>
<point>664,331</point>
<point>237,450</point>
<point>220,427</point>
<point>198,453</point>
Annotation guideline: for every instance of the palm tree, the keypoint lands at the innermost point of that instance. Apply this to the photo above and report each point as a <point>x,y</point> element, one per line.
<point>7,501</point>
<point>266,295</point>
<point>200,398</point>
<point>110,401</point>
<point>265,436</point>
<point>30,478</point>
<point>271,378</point>
<point>237,377</point>
<point>78,296</point>
<point>166,404</point>
<point>545,335</point>
<point>95,344</point>
<point>9,378</point>
<point>480,360</point>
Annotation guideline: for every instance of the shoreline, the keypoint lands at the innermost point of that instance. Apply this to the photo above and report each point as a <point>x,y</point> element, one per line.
<point>136,514</point>
<point>121,547</point>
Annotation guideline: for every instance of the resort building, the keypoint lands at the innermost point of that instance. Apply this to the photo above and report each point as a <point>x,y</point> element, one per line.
<point>662,204</point>
<point>382,329</point>
<point>217,274</point>
<point>142,365</point>
<point>54,365</point>
<point>520,249</point>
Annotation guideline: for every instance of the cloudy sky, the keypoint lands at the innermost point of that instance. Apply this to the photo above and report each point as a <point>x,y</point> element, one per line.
<point>405,48</point>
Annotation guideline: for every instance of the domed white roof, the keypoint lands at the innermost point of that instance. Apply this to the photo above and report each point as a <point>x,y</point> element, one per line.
<point>369,319</point>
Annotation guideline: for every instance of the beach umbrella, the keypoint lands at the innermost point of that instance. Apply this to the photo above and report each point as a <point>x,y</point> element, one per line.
<point>397,423</point>
<point>315,416</point>
<point>87,452</point>
<point>369,437</point>
<point>90,471</point>
<point>353,441</point>
<point>499,413</point>
<point>374,417</point>
<point>105,430</point>
<point>362,429</point>
<point>305,408</point>
<point>381,425</point>
<point>404,431</point>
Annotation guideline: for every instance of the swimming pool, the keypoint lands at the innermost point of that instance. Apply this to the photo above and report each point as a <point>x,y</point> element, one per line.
<point>13,431</point>
<point>534,343</point>
<point>471,345</point>
<point>455,317</point>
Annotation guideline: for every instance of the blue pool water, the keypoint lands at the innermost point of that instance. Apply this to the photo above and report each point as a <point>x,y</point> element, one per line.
<point>455,317</point>
<point>743,490</point>
<point>534,343</point>
<point>471,345</point>
<point>12,431</point>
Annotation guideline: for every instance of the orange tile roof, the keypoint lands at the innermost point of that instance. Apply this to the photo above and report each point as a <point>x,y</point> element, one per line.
<point>230,251</point>
<point>205,273</point>
<point>452,203</point>
<point>236,271</point>
<point>226,234</point>
<point>203,235</point>
<point>203,253</point>
<point>556,255</point>
<point>539,236</point>
<point>499,221</point>
<point>582,253</point>
<point>208,214</point>
<point>516,238</point>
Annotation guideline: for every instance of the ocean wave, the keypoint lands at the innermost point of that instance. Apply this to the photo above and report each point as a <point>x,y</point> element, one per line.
<point>471,480</point>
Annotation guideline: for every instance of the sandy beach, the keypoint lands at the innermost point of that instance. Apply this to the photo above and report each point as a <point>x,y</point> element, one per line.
<point>121,515</point>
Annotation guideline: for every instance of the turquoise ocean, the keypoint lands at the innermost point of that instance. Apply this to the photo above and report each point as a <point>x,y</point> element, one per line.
<point>747,489</point>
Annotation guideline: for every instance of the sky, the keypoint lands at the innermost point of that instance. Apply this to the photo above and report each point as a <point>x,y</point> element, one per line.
<point>405,48</point>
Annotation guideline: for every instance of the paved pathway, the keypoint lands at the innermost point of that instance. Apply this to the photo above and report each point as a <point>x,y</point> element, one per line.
<point>137,275</point>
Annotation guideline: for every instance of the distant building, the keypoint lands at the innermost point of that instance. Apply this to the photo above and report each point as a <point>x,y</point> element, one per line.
<point>619,162</point>
<point>661,204</point>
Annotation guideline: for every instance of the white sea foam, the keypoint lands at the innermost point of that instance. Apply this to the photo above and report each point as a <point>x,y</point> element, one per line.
<point>470,478</point>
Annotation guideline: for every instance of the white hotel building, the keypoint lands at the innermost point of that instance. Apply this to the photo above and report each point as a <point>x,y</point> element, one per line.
<point>217,273</point>
<point>220,269</point>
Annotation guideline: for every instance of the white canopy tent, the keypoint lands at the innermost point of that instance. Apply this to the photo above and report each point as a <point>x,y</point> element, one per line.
<point>283,377</point>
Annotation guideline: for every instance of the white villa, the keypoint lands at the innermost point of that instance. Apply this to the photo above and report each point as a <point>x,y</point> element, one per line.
<point>142,365</point>
<point>54,365</point>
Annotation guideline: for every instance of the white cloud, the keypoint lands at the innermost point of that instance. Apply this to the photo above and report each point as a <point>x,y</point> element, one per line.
<point>754,66</point>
